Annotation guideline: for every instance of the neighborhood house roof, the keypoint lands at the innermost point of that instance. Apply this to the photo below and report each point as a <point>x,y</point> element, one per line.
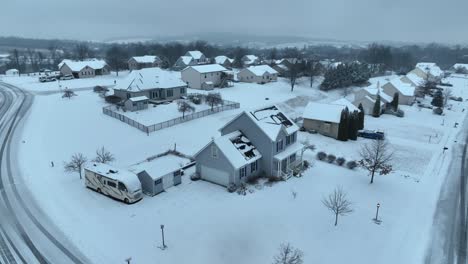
<point>238,149</point>
<point>128,178</point>
<point>404,88</point>
<point>271,120</point>
<point>294,148</point>
<point>160,166</point>
<point>372,100</point>
<point>195,54</point>
<point>430,67</point>
<point>145,59</point>
<point>138,98</point>
<point>345,102</point>
<point>222,59</point>
<point>186,59</point>
<point>150,78</point>
<point>415,79</point>
<point>251,57</point>
<point>260,70</point>
<point>461,65</point>
<point>374,91</point>
<point>77,66</point>
<point>323,112</point>
<point>208,68</point>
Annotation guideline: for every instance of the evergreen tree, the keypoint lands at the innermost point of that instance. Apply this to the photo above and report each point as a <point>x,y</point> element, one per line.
<point>343,126</point>
<point>438,100</point>
<point>361,116</point>
<point>353,121</point>
<point>376,110</point>
<point>395,102</point>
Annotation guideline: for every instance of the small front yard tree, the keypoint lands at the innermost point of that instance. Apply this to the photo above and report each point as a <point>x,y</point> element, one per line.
<point>376,158</point>
<point>362,115</point>
<point>438,99</point>
<point>338,203</point>
<point>103,156</point>
<point>343,126</point>
<point>395,101</point>
<point>78,160</point>
<point>68,94</point>
<point>214,99</point>
<point>184,107</point>
<point>353,123</point>
<point>376,110</point>
<point>288,255</point>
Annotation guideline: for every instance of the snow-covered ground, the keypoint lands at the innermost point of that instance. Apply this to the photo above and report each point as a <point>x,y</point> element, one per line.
<point>206,224</point>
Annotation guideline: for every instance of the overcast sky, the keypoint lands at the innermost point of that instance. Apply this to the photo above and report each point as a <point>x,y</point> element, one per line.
<point>398,20</point>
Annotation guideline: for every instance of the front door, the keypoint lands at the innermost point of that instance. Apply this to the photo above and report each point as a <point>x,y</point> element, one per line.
<point>158,186</point>
<point>284,165</point>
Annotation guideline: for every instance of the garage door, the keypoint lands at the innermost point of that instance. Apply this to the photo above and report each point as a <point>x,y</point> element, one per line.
<point>215,176</point>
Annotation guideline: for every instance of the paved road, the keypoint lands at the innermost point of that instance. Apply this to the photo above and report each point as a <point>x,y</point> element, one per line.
<point>449,238</point>
<point>27,234</point>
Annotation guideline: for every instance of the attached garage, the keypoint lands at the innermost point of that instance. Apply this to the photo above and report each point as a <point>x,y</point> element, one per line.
<point>214,175</point>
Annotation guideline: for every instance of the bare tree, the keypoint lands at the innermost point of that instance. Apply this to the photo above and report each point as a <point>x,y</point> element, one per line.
<point>103,156</point>
<point>76,163</point>
<point>68,94</point>
<point>214,99</point>
<point>376,157</point>
<point>306,146</point>
<point>447,94</point>
<point>184,106</point>
<point>289,255</point>
<point>338,203</point>
<point>293,73</point>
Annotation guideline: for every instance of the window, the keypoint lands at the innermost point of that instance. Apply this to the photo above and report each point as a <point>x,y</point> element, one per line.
<point>170,93</point>
<point>254,166</point>
<point>279,146</point>
<point>243,172</point>
<point>158,181</point>
<point>122,187</point>
<point>129,95</point>
<point>134,104</point>
<point>111,184</point>
<point>292,158</point>
<point>183,90</point>
<point>214,151</point>
<point>154,94</point>
<point>288,140</point>
<point>205,76</point>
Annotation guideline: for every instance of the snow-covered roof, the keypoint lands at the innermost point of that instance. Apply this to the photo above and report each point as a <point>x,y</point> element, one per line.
<point>404,88</point>
<point>251,58</point>
<point>431,68</point>
<point>238,149</point>
<point>272,120</point>
<point>372,100</point>
<point>290,150</point>
<point>347,103</point>
<point>160,166</point>
<point>323,112</point>
<point>77,66</point>
<point>222,59</point>
<point>415,79</point>
<point>260,70</point>
<point>12,71</point>
<point>186,59</point>
<point>150,78</point>
<point>128,178</point>
<point>138,98</point>
<point>146,59</point>
<point>207,68</point>
<point>461,65</point>
<point>374,91</point>
<point>196,54</point>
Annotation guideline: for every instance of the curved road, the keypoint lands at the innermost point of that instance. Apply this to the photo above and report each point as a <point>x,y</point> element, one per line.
<point>27,234</point>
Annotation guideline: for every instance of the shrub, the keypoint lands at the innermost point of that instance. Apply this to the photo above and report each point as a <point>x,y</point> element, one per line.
<point>306,164</point>
<point>321,155</point>
<point>340,161</point>
<point>351,165</point>
<point>112,99</point>
<point>100,89</point>
<point>232,188</point>
<point>252,180</point>
<point>331,158</point>
<point>272,179</point>
<point>195,177</point>
<point>438,111</point>
<point>242,190</point>
<point>195,98</point>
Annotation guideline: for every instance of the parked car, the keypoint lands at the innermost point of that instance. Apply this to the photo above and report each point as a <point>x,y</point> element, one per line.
<point>67,77</point>
<point>47,79</point>
<point>371,134</point>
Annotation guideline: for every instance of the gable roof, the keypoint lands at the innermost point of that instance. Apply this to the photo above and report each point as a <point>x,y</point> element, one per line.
<point>415,79</point>
<point>345,102</point>
<point>77,66</point>
<point>145,59</point>
<point>431,68</point>
<point>185,59</point>
<point>404,88</point>
<point>207,68</point>
<point>158,166</point>
<point>195,54</point>
<point>271,120</point>
<point>323,112</point>
<point>374,91</point>
<point>237,149</point>
<point>150,78</point>
<point>260,70</point>
<point>460,65</point>
<point>222,59</point>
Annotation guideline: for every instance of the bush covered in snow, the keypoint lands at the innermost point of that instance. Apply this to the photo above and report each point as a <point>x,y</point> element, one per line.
<point>331,158</point>
<point>321,155</point>
<point>232,188</point>
<point>242,190</point>
<point>195,177</point>
<point>340,161</point>
<point>195,98</point>
<point>351,165</point>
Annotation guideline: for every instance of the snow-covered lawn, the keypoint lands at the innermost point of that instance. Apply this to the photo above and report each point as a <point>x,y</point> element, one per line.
<point>206,224</point>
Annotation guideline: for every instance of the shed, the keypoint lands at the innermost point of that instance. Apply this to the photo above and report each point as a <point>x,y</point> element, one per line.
<point>160,172</point>
<point>136,103</point>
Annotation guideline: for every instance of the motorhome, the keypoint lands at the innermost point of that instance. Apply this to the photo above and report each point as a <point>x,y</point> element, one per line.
<point>119,184</point>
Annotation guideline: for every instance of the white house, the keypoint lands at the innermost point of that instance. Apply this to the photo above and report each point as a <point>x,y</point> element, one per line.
<point>224,61</point>
<point>141,62</point>
<point>193,57</point>
<point>249,60</point>
<point>206,77</point>
<point>428,70</point>
<point>84,69</point>
<point>367,97</point>
<point>258,74</point>
<point>12,72</point>
<point>405,91</point>
<point>460,67</point>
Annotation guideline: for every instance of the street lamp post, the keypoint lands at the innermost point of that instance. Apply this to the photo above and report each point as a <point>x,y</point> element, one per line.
<point>128,260</point>
<point>377,213</point>
<point>162,234</point>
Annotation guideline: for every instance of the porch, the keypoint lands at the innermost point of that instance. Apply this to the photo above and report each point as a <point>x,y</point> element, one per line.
<point>287,161</point>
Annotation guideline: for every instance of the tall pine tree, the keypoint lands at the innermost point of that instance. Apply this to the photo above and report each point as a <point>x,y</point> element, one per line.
<point>395,102</point>
<point>353,121</point>
<point>343,126</point>
<point>376,110</point>
<point>438,100</point>
<point>361,116</point>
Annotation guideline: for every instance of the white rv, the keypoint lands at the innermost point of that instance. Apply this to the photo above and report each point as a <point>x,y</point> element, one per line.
<point>119,184</point>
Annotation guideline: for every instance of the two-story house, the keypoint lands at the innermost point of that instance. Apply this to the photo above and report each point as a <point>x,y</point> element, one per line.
<point>191,58</point>
<point>206,77</point>
<point>142,62</point>
<point>260,142</point>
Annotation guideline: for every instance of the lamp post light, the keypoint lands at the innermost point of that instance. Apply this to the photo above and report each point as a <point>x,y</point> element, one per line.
<point>128,260</point>
<point>162,234</point>
<point>377,213</point>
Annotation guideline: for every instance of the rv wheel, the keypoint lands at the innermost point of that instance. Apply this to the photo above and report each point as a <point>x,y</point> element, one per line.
<point>126,201</point>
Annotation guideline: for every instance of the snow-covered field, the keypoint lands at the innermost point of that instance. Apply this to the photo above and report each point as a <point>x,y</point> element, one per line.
<point>206,224</point>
